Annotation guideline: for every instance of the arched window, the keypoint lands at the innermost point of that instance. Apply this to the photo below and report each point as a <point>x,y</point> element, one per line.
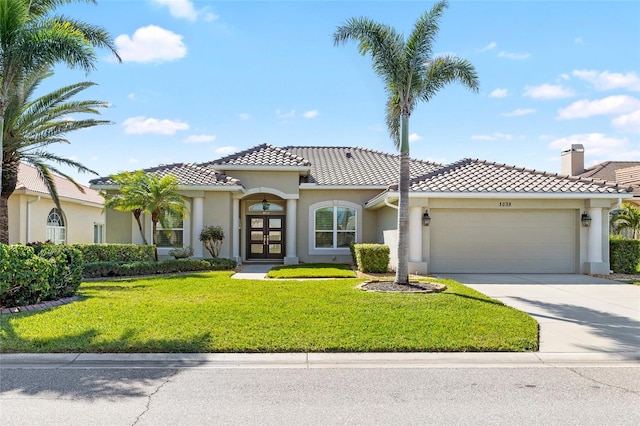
<point>269,207</point>
<point>56,229</point>
<point>336,224</point>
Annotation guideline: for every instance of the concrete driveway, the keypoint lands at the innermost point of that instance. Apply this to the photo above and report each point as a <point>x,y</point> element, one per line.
<point>576,313</point>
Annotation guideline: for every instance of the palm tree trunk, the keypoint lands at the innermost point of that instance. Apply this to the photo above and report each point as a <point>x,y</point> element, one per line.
<point>402,270</point>
<point>4,220</point>
<point>136,214</point>
<point>154,227</point>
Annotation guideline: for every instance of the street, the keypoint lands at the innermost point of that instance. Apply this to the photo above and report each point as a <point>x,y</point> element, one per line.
<point>472,393</point>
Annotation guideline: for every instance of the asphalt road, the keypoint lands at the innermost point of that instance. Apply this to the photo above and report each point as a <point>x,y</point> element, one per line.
<point>280,396</point>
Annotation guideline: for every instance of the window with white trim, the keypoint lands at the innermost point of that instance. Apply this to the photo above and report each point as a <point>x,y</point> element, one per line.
<point>173,235</point>
<point>334,227</point>
<point>98,233</point>
<point>56,229</point>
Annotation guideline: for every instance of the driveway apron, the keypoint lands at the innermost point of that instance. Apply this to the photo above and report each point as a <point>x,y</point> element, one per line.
<point>576,313</point>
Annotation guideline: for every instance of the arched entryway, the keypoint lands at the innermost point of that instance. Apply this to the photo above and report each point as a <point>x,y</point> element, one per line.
<point>265,221</point>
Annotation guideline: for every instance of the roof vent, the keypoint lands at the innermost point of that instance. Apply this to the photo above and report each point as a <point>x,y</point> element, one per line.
<point>348,154</point>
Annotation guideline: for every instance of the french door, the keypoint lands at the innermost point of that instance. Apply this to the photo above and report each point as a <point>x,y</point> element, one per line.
<point>265,237</point>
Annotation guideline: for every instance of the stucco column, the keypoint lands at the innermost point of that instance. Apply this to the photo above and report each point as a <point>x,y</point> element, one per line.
<point>291,257</point>
<point>235,230</point>
<point>594,236</point>
<point>197,223</point>
<point>415,234</point>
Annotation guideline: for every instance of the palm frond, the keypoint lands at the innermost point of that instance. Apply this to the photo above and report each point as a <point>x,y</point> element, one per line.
<point>444,70</point>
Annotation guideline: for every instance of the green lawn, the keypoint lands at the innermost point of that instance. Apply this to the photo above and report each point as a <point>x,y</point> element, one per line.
<point>312,270</point>
<point>210,312</point>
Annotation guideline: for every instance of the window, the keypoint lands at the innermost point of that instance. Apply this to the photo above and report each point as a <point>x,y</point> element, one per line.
<point>260,208</point>
<point>335,227</point>
<point>98,233</point>
<point>56,230</point>
<point>173,235</point>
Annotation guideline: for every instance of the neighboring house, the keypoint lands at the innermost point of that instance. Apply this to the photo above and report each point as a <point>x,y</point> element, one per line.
<point>33,216</point>
<point>307,204</point>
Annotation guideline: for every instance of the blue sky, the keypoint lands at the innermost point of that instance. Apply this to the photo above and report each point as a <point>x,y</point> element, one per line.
<point>201,79</point>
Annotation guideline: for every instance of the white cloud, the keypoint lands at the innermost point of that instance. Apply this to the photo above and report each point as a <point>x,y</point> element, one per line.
<point>200,139</point>
<point>489,46</point>
<point>131,96</point>
<point>183,9</point>
<point>285,115</point>
<point>492,137</point>
<point>547,91</point>
<point>244,116</point>
<point>628,122</point>
<point>133,160</point>
<point>311,114</point>
<point>606,80</point>
<point>226,150</point>
<point>519,112</point>
<point>598,147</point>
<point>516,56</point>
<point>578,40</point>
<point>619,104</point>
<point>564,76</point>
<point>151,44</point>
<point>142,125</point>
<point>414,137</point>
<point>499,93</point>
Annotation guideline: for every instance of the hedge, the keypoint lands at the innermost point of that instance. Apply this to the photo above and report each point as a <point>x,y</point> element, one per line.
<point>24,277</point>
<point>121,269</point>
<point>372,258</point>
<point>115,252</point>
<point>624,254</point>
<point>67,262</point>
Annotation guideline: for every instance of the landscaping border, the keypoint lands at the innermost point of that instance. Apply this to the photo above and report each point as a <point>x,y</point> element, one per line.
<point>38,306</point>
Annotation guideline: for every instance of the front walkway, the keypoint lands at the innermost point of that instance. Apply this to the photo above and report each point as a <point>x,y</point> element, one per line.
<point>254,271</point>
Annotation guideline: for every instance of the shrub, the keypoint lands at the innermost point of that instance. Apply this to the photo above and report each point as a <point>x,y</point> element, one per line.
<point>101,269</point>
<point>24,277</point>
<point>222,264</point>
<point>181,252</point>
<point>373,258</point>
<point>211,237</point>
<point>120,269</point>
<point>624,254</point>
<point>67,262</point>
<point>115,252</point>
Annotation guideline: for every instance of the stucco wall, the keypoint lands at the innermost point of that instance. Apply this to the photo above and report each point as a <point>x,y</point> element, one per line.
<point>217,212</point>
<point>79,219</point>
<point>119,227</point>
<point>287,182</point>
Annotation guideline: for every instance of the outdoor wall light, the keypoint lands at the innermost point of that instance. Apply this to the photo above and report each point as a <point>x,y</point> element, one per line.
<point>585,219</point>
<point>426,219</point>
<point>265,204</point>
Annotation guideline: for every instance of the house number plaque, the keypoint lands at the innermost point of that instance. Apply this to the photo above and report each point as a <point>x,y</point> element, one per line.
<point>504,204</point>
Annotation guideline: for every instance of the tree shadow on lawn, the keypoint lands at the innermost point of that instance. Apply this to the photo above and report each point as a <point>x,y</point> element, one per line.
<point>624,331</point>
<point>93,379</point>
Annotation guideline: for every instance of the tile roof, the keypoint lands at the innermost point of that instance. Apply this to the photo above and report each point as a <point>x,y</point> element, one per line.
<point>355,166</point>
<point>29,180</point>
<point>187,174</point>
<point>607,170</point>
<point>261,155</point>
<point>630,175</point>
<point>478,176</point>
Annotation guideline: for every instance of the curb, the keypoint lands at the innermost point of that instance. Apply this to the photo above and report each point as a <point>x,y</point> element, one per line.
<point>321,360</point>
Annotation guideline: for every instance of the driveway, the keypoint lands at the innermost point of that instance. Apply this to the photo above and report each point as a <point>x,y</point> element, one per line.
<point>576,313</point>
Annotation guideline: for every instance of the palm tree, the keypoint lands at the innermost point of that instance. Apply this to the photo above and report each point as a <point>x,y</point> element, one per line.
<point>31,125</point>
<point>148,193</point>
<point>410,74</point>
<point>627,218</point>
<point>32,38</point>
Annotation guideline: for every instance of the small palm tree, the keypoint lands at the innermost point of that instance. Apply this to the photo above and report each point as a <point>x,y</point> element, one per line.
<point>410,74</point>
<point>627,218</point>
<point>148,193</point>
<point>31,125</point>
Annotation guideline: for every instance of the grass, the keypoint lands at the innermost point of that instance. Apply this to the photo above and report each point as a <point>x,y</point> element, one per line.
<point>210,312</point>
<point>312,270</point>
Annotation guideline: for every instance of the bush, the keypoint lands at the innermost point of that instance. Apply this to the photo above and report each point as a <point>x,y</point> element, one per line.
<point>115,252</point>
<point>373,258</point>
<point>101,269</point>
<point>221,264</point>
<point>24,277</point>
<point>67,262</point>
<point>181,252</point>
<point>624,254</point>
<point>120,269</point>
<point>211,237</point>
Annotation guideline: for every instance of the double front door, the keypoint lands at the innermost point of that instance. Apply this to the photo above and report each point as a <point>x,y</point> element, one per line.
<point>265,237</point>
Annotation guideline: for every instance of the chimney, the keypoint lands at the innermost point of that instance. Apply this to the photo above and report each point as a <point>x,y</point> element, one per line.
<point>572,160</point>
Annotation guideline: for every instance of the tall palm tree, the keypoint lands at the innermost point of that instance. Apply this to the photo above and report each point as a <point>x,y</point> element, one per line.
<point>151,194</point>
<point>33,38</point>
<point>410,74</point>
<point>627,218</point>
<point>31,125</point>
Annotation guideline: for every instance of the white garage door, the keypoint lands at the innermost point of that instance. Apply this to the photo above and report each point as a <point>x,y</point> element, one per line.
<point>503,241</point>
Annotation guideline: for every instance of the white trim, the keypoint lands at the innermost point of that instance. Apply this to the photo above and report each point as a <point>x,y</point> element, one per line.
<point>222,167</point>
<point>312,226</point>
<point>272,191</point>
<point>197,214</point>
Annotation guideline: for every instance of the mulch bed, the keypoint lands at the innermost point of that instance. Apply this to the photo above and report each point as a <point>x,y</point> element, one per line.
<point>393,287</point>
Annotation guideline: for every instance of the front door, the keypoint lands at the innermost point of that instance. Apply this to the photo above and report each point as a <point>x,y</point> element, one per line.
<point>265,237</point>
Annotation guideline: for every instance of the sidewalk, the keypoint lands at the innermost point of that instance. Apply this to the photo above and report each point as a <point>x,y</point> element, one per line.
<point>256,271</point>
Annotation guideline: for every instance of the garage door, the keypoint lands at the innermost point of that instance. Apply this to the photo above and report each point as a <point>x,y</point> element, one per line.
<point>514,241</point>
